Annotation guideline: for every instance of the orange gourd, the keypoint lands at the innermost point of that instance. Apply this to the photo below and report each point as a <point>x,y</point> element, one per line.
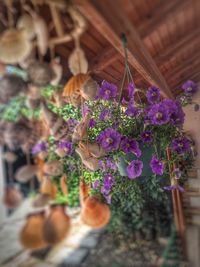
<point>31,235</point>
<point>57,225</point>
<point>48,188</point>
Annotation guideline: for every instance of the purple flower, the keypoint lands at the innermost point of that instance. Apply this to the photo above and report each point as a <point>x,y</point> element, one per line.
<point>108,199</point>
<point>96,184</point>
<point>189,87</point>
<point>107,91</point>
<point>153,94</point>
<point>131,90</point>
<point>131,110</point>
<point>130,146</point>
<point>92,123</point>
<point>175,111</point>
<point>43,146</point>
<point>147,121</point>
<point>109,139</point>
<point>181,145</point>
<point>108,180</point>
<point>104,115</point>
<point>159,114</point>
<point>173,187</point>
<point>157,166</point>
<point>86,110</point>
<point>134,169</point>
<point>66,145</point>
<point>105,190</point>
<point>146,137</point>
<point>107,163</point>
<point>72,122</point>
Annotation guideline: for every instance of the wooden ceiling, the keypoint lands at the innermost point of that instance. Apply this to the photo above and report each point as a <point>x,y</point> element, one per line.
<point>163,41</point>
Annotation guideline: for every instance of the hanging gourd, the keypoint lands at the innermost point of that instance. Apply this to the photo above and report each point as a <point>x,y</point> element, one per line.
<point>14,46</point>
<point>26,173</point>
<point>40,73</point>
<point>31,235</point>
<point>87,159</point>
<point>26,23</point>
<point>57,126</point>
<point>10,86</point>
<point>58,71</point>
<point>94,149</point>
<point>9,156</point>
<point>80,131</point>
<point>53,168</point>
<point>12,196</point>
<point>77,61</point>
<point>48,188</point>
<point>94,213</point>
<point>63,185</point>
<point>89,89</point>
<point>57,225</point>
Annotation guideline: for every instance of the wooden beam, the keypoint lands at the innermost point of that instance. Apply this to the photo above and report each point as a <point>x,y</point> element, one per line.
<point>104,59</point>
<point>164,11</point>
<point>109,18</point>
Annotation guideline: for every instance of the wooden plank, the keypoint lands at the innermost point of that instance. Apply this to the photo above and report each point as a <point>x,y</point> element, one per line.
<point>179,47</point>
<point>111,27</point>
<point>106,58</point>
<point>164,11</point>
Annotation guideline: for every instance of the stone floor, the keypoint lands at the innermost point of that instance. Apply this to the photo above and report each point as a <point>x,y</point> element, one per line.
<point>71,252</point>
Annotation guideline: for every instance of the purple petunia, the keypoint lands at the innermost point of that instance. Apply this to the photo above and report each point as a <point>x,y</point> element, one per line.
<point>175,111</point>
<point>107,163</point>
<point>92,123</point>
<point>104,115</point>
<point>129,145</point>
<point>189,87</point>
<point>181,145</point>
<point>66,145</point>
<point>109,139</point>
<point>86,110</point>
<point>105,190</point>
<point>146,137</point>
<point>108,180</point>
<point>131,90</point>
<point>96,184</point>
<point>153,94</point>
<point>107,91</point>
<point>108,199</point>
<point>134,169</point>
<point>158,114</point>
<point>157,166</point>
<point>72,122</point>
<point>131,110</point>
<point>40,147</point>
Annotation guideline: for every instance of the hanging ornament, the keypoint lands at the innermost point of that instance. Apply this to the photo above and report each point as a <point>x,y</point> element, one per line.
<point>72,89</point>
<point>40,73</point>
<point>10,86</point>
<point>57,126</point>
<point>94,213</point>
<point>57,225</point>
<point>12,196</point>
<point>90,162</point>
<point>26,173</point>
<point>48,188</point>
<point>14,46</point>
<point>63,185</point>
<point>26,23</point>
<point>89,89</point>
<point>31,235</point>
<point>80,131</point>
<point>41,31</point>
<point>77,61</point>
<point>53,168</point>
<point>58,71</point>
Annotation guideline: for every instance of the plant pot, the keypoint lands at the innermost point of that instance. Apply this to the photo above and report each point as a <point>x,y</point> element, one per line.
<point>147,152</point>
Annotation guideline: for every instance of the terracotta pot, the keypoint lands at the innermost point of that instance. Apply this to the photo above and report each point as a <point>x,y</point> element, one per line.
<point>57,225</point>
<point>31,235</point>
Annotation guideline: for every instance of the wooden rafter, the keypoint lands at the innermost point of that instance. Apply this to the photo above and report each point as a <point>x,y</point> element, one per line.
<point>111,27</point>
